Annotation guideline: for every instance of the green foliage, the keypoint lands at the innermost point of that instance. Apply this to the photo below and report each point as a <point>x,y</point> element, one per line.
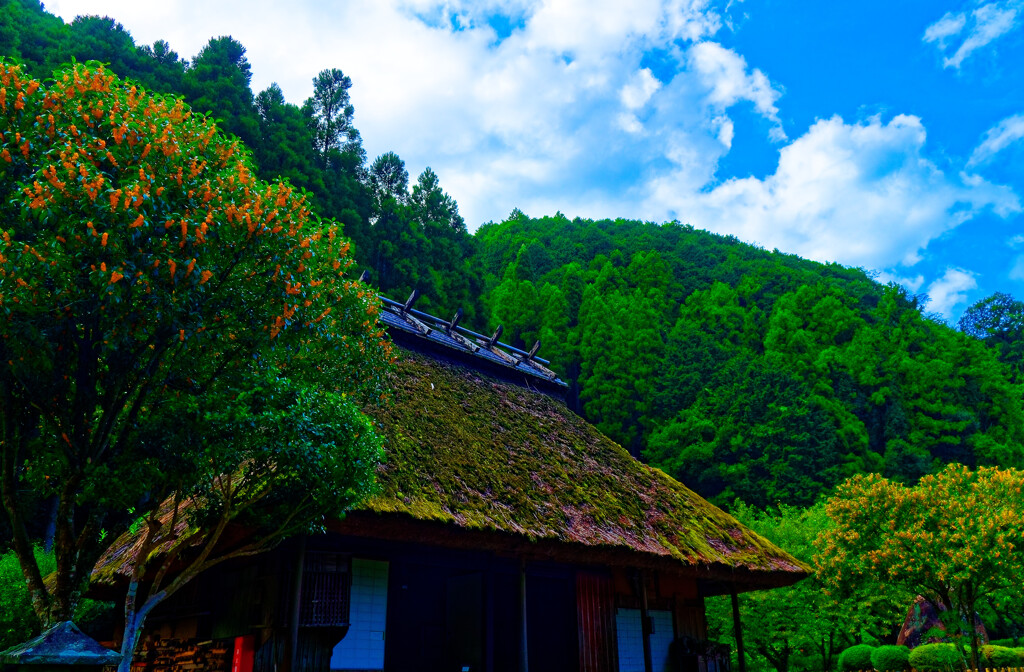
<point>285,145</point>
<point>146,278</point>
<point>330,113</point>
<point>744,373</point>
<point>801,627</point>
<point>856,657</point>
<point>18,621</point>
<point>890,658</point>
<point>952,538</point>
<point>1000,657</point>
<point>998,321</point>
<point>937,658</point>
<point>217,81</point>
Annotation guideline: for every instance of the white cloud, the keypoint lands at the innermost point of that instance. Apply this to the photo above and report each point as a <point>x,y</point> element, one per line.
<point>946,27</point>
<point>862,194</point>
<point>950,290</point>
<point>639,89</point>
<point>911,284</point>
<point>997,138</point>
<point>724,73</point>
<point>986,24</point>
<point>558,109</point>
<point>634,95</point>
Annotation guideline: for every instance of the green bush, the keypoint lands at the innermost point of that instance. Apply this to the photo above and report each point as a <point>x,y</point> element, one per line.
<point>1003,642</point>
<point>17,620</point>
<point>999,656</point>
<point>857,657</point>
<point>937,658</point>
<point>889,658</point>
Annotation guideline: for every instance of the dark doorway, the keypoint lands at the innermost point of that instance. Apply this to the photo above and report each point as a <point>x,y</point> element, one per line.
<point>464,627</point>
<point>435,619</point>
<point>551,622</point>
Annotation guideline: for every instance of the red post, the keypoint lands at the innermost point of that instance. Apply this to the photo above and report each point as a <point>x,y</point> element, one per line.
<point>245,650</point>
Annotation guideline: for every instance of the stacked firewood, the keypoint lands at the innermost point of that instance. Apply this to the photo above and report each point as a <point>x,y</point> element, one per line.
<point>183,655</point>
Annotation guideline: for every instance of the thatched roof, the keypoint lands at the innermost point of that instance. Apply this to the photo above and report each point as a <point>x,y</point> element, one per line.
<point>471,452</point>
<point>477,461</point>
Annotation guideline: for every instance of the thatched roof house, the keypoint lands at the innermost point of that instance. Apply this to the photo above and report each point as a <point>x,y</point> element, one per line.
<point>507,530</point>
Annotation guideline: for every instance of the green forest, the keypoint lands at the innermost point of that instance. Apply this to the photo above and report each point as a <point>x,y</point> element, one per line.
<point>757,378</point>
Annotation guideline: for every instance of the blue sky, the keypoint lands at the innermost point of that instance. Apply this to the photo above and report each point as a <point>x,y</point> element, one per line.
<point>887,135</point>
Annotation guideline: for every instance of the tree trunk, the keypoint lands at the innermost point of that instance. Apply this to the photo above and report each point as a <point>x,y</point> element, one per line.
<point>10,450</point>
<point>974,638</point>
<point>133,623</point>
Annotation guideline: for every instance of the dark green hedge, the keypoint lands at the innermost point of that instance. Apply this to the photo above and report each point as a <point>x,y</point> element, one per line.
<point>857,657</point>
<point>890,658</point>
<point>937,658</point>
<point>1000,656</point>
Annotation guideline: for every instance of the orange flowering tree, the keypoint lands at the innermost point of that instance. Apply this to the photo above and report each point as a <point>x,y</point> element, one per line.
<point>955,538</point>
<point>168,320</point>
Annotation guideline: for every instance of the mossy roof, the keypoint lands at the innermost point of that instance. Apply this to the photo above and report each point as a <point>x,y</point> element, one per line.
<point>509,467</point>
<point>469,451</point>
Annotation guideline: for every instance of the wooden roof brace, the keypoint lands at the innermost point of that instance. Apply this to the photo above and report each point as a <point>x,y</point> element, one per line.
<point>455,322</point>
<point>411,300</point>
<point>490,343</point>
<point>452,330</point>
<point>405,311</point>
<point>530,360</point>
<point>395,307</point>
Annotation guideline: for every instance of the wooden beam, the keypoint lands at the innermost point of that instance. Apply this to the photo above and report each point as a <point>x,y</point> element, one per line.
<point>411,300</point>
<point>452,332</point>
<point>493,341</point>
<point>293,634</point>
<point>738,631</point>
<point>455,322</point>
<point>420,326</point>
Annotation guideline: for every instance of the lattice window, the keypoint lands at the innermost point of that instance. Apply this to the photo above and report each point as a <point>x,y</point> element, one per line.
<point>326,589</point>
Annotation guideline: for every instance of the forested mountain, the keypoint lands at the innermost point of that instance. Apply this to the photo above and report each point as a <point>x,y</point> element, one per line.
<point>748,373</point>
<point>745,373</point>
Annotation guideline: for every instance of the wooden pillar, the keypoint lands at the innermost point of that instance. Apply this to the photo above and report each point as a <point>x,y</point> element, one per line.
<point>293,633</point>
<point>524,653</point>
<point>738,631</point>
